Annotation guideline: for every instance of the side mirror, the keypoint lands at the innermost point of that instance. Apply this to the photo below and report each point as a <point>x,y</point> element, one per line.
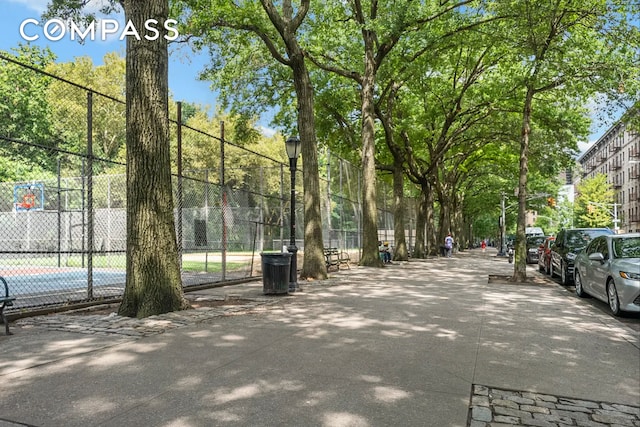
<point>596,256</point>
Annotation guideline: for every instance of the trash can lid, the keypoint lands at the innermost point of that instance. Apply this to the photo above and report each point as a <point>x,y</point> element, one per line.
<point>276,254</point>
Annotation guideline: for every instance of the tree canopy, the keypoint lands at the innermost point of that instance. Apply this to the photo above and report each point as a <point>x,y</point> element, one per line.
<point>457,102</point>
<point>594,204</point>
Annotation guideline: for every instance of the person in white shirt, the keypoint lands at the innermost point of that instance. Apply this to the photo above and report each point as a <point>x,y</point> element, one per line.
<point>448,245</point>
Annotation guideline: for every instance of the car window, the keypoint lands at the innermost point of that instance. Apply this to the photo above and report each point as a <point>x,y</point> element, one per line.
<point>577,239</point>
<point>603,247</point>
<point>594,246</point>
<point>580,238</point>
<point>626,247</point>
<point>600,245</point>
<point>535,241</point>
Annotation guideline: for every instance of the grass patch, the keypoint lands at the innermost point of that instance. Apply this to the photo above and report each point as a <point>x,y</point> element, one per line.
<point>211,267</point>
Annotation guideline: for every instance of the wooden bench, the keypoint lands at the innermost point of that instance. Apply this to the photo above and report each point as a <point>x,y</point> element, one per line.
<point>6,301</point>
<point>335,258</point>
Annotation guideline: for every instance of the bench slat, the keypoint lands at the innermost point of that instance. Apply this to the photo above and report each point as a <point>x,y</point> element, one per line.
<point>5,301</point>
<point>335,257</point>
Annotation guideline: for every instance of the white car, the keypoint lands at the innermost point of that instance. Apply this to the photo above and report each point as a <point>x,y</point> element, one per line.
<point>609,270</point>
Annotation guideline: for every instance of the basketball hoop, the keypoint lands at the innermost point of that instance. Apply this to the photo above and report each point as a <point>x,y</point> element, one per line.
<point>28,201</point>
<point>28,197</point>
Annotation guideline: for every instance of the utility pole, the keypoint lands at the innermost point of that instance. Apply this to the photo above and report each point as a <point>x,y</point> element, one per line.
<point>503,228</point>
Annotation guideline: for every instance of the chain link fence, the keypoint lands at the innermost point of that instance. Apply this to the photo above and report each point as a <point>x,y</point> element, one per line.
<point>63,197</point>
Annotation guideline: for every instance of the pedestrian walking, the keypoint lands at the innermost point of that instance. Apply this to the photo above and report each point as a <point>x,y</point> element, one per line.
<point>448,245</point>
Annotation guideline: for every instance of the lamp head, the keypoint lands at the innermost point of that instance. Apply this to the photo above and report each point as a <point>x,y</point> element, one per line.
<point>293,144</point>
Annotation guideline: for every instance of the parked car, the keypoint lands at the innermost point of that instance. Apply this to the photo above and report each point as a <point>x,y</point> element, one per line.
<point>569,243</point>
<point>544,254</point>
<point>533,231</point>
<point>609,270</point>
<point>533,243</point>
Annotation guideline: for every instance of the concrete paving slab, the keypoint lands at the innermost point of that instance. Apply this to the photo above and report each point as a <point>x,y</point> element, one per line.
<point>98,385</point>
<point>403,345</point>
<point>286,398</point>
<point>33,347</point>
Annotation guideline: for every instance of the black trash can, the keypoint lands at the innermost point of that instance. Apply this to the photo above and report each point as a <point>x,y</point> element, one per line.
<point>275,272</point>
<point>443,250</point>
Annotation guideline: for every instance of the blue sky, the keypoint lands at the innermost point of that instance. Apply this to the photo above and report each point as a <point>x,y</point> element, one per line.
<point>184,66</point>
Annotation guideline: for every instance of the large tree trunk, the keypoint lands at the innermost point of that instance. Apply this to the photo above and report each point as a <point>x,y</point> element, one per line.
<point>153,284</point>
<point>400,252</point>
<point>444,225</point>
<point>370,255</point>
<point>313,266</point>
<point>419,250</point>
<point>432,243</point>
<point>520,262</point>
<point>457,226</point>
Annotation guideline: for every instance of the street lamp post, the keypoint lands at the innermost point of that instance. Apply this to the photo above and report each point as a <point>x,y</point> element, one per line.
<point>292,144</point>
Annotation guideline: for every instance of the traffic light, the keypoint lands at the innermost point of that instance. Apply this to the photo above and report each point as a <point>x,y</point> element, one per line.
<point>551,202</point>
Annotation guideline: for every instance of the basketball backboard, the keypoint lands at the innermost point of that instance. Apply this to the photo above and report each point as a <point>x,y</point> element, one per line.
<point>28,197</point>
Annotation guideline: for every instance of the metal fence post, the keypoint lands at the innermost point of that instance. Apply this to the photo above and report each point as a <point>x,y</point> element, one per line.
<point>180,194</point>
<point>89,195</point>
<point>59,197</point>
<point>223,189</point>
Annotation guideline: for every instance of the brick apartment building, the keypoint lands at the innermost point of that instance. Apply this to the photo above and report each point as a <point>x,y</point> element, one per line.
<point>617,155</point>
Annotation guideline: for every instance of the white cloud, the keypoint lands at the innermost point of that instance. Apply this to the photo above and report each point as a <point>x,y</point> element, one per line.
<point>584,146</point>
<point>268,132</point>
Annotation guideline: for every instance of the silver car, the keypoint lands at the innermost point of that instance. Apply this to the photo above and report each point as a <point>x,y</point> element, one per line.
<point>609,270</point>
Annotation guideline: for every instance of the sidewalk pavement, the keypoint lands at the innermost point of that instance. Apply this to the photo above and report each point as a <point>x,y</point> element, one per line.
<point>424,343</point>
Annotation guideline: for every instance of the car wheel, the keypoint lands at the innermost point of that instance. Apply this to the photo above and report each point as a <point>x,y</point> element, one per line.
<point>564,275</point>
<point>579,290</point>
<point>612,296</point>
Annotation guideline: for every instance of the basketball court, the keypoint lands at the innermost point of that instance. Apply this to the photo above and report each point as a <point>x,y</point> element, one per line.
<point>35,286</point>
